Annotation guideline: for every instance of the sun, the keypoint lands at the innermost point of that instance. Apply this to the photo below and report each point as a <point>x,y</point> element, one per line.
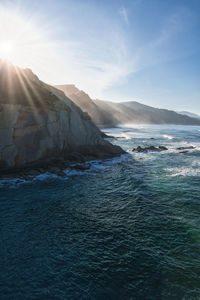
<point>7,50</point>
<point>24,41</point>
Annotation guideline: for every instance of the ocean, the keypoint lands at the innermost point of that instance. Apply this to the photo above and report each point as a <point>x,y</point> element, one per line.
<point>126,229</point>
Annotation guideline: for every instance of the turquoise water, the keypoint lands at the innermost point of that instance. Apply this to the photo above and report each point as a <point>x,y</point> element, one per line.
<point>128,228</point>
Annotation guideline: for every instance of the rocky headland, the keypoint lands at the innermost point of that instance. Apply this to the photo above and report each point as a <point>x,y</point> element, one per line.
<point>41,128</point>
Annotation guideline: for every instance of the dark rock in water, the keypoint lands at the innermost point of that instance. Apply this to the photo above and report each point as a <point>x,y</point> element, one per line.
<point>150,148</point>
<point>185,148</point>
<point>54,170</point>
<point>104,135</point>
<point>186,151</point>
<point>80,167</point>
<point>140,149</point>
<point>115,137</point>
<point>61,174</point>
<point>34,173</point>
<point>18,181</point>
<point>163,148</point>
<point>111,137</point>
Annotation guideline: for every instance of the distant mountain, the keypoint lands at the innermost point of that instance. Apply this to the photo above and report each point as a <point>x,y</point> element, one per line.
<point>153,115</point>
<point>189,114</point>
<point>107,113</point>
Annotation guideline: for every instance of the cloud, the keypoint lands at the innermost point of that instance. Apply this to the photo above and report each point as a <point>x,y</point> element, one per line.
<point>124,14</point>
<point>102,56</point>
<point>97,58</point>
<point>163,46</point>
<point>91,72</point>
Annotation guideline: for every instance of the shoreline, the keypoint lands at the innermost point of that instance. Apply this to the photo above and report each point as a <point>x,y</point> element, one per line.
<point>74,159</point>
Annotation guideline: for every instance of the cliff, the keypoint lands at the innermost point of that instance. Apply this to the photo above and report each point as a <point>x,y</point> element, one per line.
<point>83,100</point>
<point>39,122</point>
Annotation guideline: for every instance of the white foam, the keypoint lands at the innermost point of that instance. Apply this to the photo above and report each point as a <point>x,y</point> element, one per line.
<point>72,172</point>
<point>11,182</point>
<point>15,182</point>
<point>169,137</point>
<point>183,172</point>
<point>46,176</point>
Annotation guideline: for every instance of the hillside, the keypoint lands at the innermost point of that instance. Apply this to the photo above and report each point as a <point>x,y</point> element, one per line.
<point>187,113</point>
<point>107,113</point>
<point>83,100</point>
<point>153,115</point>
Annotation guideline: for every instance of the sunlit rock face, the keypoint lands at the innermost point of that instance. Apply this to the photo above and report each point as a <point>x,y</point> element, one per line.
<point>37,120</point>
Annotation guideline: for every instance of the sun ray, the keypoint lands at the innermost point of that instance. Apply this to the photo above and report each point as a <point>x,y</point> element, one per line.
<point>23,41</point>
<point>24,87</point>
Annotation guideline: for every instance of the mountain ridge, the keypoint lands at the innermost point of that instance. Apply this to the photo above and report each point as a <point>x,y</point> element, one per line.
<point>107,113</point>
<point>190,114</point>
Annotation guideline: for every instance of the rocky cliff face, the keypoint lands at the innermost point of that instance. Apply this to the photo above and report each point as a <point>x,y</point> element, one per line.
<point>38,121</point>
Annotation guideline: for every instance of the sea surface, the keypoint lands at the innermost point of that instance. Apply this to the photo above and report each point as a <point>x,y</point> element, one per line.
<point>126,229</point>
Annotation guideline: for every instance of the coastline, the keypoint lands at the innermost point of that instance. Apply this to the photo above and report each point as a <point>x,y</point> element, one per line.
<point>76,159</point>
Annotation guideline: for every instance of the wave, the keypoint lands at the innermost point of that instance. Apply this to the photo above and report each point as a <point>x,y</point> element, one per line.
<point>169,137</point>
<point>11,182</point>
<point>183,172</point>
<point>94,167</point>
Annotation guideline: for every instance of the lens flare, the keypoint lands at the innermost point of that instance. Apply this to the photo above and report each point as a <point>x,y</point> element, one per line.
<point>7,49</point>
<point>23,41</point>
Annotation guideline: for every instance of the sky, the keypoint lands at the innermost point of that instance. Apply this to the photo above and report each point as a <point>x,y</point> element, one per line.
<point>142,50</point>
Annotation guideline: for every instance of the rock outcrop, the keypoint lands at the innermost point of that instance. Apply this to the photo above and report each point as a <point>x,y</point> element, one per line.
<point>37,121</point>
<point>150,149</point>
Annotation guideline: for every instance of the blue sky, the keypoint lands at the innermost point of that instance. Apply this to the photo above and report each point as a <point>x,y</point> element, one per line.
<point>143,50</point>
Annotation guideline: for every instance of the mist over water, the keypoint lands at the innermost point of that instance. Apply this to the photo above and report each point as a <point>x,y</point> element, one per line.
<point>127,228</point>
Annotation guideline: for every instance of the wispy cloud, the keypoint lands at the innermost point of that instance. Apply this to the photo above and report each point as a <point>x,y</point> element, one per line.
<point>124,14</point>
<point>95,73</point>
<point>102,55</point>
<point>95,64</point>
<point>160,49</point>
